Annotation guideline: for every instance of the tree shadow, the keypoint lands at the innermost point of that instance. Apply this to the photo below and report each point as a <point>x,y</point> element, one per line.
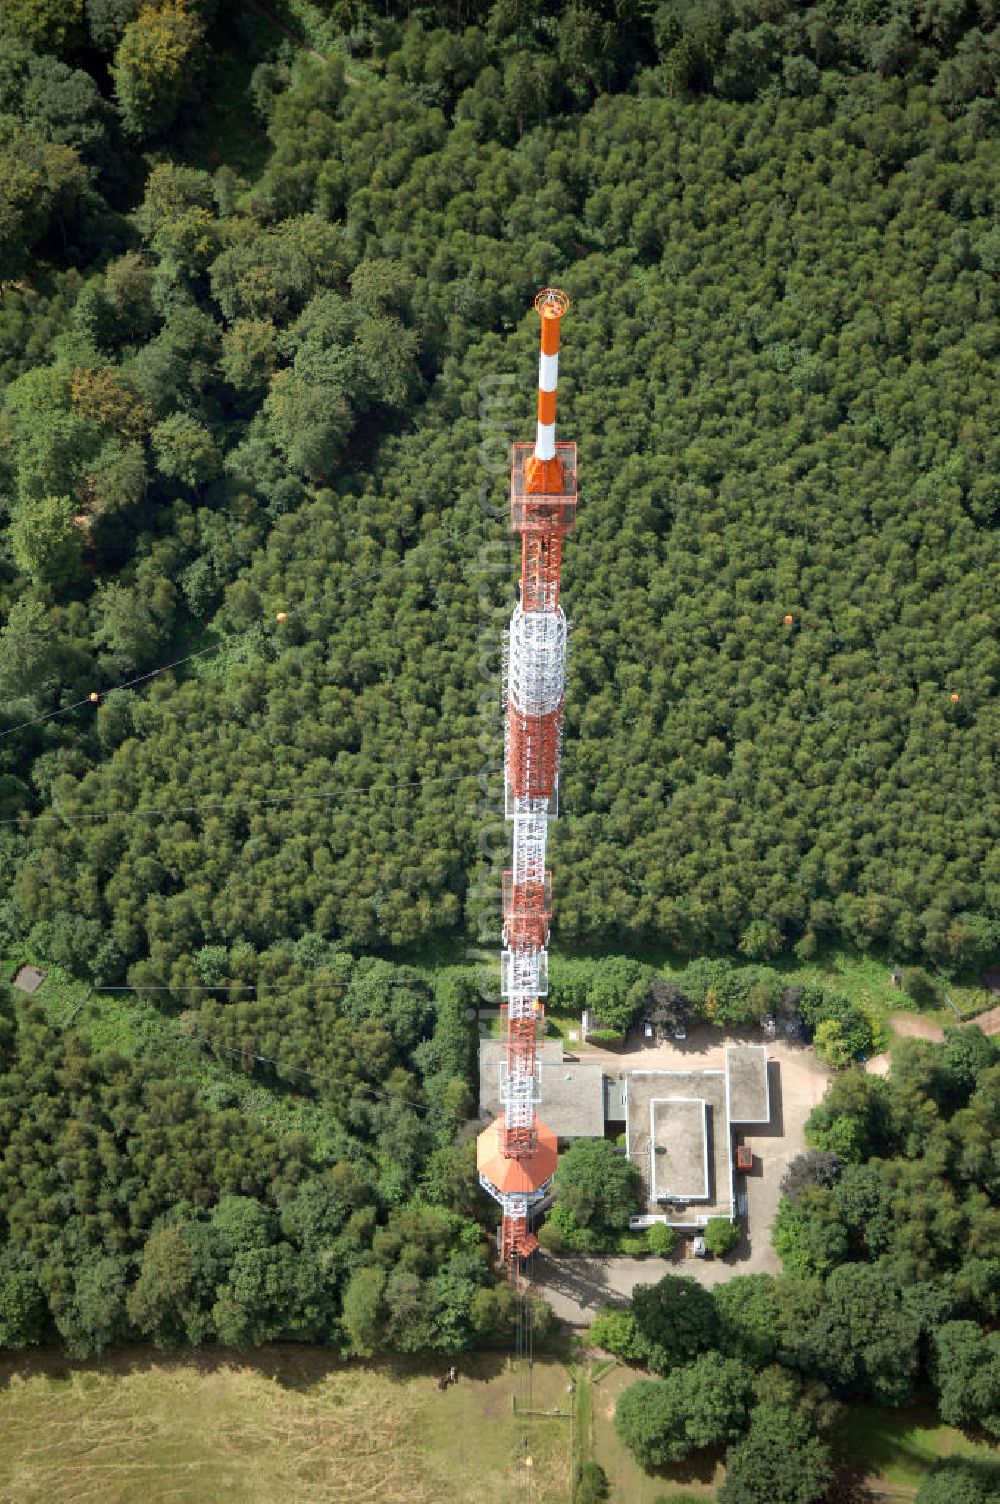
<point>775,1125</point>
<point>982,1470</point>
<point>700,1467</point>
<point>583,1280</point>
<point>852,1487</point>
<point>290,1365</point>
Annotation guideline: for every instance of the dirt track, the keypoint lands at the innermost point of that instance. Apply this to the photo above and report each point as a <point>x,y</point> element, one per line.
<point>915,1026</point>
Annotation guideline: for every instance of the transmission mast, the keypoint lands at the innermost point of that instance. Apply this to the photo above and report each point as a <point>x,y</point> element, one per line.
<point>516,1154</point>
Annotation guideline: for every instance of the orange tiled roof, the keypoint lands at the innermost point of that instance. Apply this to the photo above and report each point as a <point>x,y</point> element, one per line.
<point>516,1176</point>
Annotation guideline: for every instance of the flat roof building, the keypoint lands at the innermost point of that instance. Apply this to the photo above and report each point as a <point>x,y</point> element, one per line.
<point>572,1091</point>
<point>678,1136</point>
<point>749,1093</point>
<point>615,1099</point>
<point>680,1126</point>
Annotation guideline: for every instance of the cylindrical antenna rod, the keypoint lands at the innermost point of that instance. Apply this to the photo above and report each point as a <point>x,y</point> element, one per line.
<point>543,472</point>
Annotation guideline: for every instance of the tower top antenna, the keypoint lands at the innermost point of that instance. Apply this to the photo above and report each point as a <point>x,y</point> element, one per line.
<point>551,302</point>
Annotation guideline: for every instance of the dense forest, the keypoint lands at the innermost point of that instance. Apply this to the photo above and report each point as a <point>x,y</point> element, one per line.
<point>264,339</point>
<point>138,1207</point>
<point>889,1233</point>
<point>247,392</point>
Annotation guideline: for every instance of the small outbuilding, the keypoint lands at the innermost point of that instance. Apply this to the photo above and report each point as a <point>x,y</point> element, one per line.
<point>28,979</point>
<point>747,1083</point>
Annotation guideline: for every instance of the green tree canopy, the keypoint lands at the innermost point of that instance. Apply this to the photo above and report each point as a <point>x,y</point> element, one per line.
<point>703,1404</point>
<point>155,64</point>
<point>967,1374</point>
<point>676,1318</point>
<point>958,1480</point>
<point>47,542</point>
<point>599,1189</point>
<point>779,1462</point>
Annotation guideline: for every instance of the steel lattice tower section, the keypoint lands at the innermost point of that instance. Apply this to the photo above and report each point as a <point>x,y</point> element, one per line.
<point>516,1155</point>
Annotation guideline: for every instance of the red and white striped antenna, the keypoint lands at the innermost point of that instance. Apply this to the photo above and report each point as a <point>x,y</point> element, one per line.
<point>544,468</point>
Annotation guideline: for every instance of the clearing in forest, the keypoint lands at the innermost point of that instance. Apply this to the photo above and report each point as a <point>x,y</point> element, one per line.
<point>285,1423</point>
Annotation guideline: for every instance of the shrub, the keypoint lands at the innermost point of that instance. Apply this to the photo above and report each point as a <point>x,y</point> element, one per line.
<point>830,1045</point>
<point>615,1330</point>
<point>728,994</point>
<point>721,1235</point>
<point>614,993</point>
<point>591,1484</point>
<point>605,1036</point>
<point>661,1239</point>
<point>820,1005</point>
<point>918,985</point>
<point>814,1167</point>
<point>614,988</point>
<point>552,1236</point>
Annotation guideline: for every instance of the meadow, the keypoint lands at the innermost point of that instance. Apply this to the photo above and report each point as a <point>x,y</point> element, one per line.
<point>893,1449</point>
<point>289,1423</point>
<point>295,1422</point>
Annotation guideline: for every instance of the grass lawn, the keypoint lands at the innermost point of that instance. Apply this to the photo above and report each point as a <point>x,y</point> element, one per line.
<point>61,995</point>
<point>896,1447</point>
<point>289,1423</point>
<point>864,977</point>
<point>562,1026</point>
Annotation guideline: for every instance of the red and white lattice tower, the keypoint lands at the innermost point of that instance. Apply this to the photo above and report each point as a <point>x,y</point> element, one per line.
<point>516,1154</point>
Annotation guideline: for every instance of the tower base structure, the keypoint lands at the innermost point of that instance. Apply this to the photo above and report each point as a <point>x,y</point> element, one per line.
<point>519,1181</point>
